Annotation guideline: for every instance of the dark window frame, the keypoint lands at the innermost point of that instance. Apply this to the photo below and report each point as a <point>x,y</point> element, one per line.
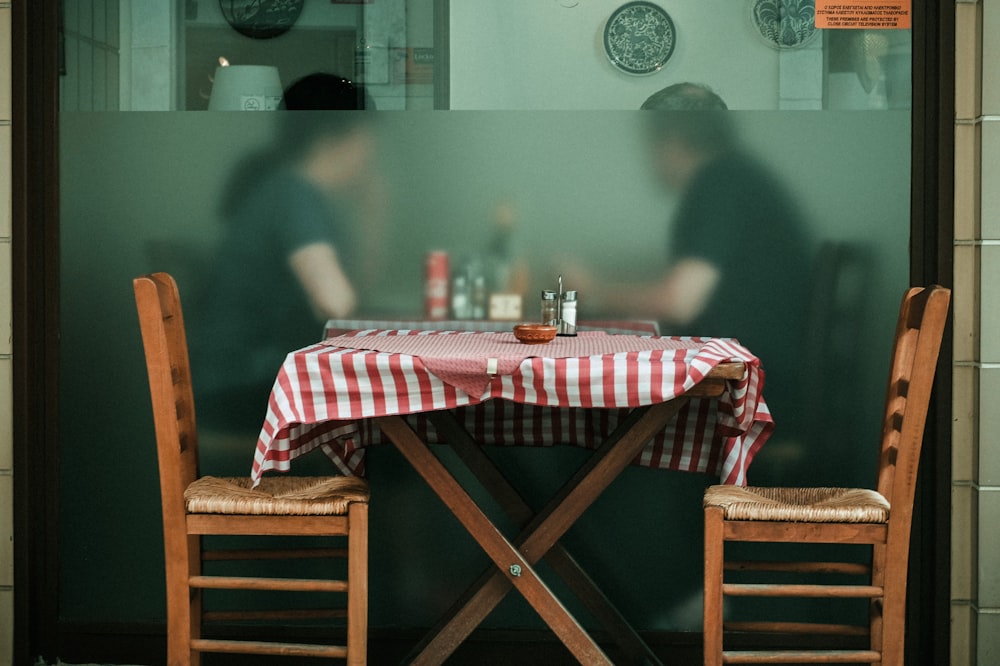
<point>35,280</point>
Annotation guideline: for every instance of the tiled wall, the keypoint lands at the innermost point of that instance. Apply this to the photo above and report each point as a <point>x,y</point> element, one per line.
<point>976,436</point>
<point>6,436</point>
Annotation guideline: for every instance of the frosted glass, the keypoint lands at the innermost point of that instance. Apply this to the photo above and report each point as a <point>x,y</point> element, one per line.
<point>141,192</point>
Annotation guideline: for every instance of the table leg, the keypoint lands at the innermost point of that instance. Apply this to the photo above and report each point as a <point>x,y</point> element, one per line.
<point>451,432</point>
<point>513,567</point>
<point>546,528</point>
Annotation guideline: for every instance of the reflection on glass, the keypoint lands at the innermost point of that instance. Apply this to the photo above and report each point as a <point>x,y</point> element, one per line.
<point>868,69</point>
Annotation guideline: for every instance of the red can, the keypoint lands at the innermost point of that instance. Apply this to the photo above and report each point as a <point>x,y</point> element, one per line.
<point>436,285</point>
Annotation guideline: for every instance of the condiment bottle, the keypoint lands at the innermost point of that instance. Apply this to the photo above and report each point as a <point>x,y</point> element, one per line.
<point>436,285</point>
<point>480,298</point>
<point>460,298</point>
<point>550,308</point>
<point>567,314</point>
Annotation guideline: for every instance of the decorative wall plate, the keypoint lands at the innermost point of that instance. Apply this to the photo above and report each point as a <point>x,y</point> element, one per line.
<point>639,38</point>
<point>784,24</point>
<point>261,19</point>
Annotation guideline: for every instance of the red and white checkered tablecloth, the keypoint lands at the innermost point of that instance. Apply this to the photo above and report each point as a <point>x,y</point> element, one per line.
<point>571,391</point>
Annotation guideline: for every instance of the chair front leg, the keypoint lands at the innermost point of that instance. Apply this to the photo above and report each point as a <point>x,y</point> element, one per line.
<point>357,585</point>
<point>713,602</point>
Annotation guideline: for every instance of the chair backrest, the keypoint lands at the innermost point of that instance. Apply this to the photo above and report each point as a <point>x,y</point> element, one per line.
<point>165,344</point>
<point>919,330</point>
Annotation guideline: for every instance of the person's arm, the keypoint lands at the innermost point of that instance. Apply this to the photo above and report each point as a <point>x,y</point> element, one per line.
<point>679,297</point>
<point>684,293</point>
<point>319,272</point>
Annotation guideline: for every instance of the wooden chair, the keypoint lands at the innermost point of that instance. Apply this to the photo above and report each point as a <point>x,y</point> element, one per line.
<point>879,518</point>
<point>280,506</point>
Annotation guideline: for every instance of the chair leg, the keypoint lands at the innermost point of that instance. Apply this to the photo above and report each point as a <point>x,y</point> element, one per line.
<point>183,611</point>
<point>876,608</point>
<point>183,603</point>
<point>894,616</point>
<point>178,633</point>
<point>357,585</point>
<point>195,622</point>
<point>713,586</point>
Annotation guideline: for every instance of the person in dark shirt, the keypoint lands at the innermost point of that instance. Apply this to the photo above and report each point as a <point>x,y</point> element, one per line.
<point>279,271</point>
<point>738,254</point>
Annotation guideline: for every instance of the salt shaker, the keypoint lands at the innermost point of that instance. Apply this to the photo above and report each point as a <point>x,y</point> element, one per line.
<point>550,308</point>
<point>567,314</point>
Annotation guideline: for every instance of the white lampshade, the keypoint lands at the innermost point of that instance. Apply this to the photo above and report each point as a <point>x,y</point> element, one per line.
<point>245,88</point>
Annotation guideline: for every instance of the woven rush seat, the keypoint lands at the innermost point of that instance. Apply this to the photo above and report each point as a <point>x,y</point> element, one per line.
<point>820,505</point>
<point>276,496</point>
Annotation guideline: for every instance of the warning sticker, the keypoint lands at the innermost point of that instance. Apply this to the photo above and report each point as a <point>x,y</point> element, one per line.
<point>864,14</point>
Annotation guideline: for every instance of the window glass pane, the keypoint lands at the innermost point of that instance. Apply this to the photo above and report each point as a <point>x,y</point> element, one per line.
<point>542,165</point>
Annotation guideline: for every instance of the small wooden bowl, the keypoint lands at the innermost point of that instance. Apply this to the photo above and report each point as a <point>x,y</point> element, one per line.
<point>535,334</point>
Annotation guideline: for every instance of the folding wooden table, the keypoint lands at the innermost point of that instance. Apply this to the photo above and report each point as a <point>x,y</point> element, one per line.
<point>680,403</point>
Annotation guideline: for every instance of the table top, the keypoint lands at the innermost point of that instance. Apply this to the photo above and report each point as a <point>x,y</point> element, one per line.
<point>570,391</point>
<point>336,327</point>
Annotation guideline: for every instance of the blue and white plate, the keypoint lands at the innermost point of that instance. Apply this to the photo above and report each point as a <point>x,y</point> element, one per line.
<point>784,24</point>
<point>639,38</point>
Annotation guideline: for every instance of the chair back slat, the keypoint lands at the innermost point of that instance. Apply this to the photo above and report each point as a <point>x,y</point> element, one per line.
<point>165,344</point>
<point>919,331</point>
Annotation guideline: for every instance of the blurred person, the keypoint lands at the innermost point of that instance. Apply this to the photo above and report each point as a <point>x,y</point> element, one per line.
<point>738,253</point>
<point>326,92</point>
<point>279,271</point>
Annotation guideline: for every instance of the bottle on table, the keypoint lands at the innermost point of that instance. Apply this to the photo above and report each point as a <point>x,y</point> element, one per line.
<point>550,308</point>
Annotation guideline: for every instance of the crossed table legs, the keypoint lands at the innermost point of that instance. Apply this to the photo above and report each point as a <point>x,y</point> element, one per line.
<point>514,559</point>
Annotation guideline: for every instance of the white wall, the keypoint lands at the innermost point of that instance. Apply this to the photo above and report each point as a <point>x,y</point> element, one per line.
<point>538,54</point>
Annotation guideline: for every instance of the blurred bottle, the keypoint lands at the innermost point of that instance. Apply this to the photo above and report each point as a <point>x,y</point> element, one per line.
<point>480,296</point>
<point>461,301</point>
<point>436,285</point>
<point>506,273</point>
<point>500,247</point>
